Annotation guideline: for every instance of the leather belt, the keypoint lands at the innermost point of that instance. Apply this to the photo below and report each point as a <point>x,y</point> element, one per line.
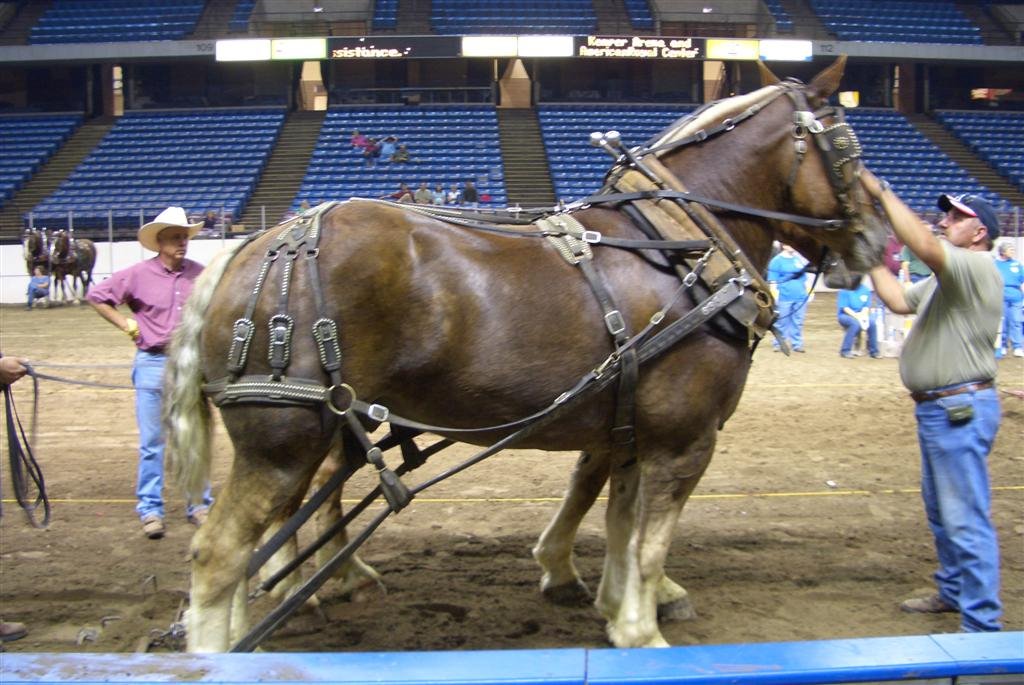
<point>929,395</point>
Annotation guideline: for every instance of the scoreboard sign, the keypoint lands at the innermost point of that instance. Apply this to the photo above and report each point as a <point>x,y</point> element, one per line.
<point>392,47</point>
<point>640,47</point>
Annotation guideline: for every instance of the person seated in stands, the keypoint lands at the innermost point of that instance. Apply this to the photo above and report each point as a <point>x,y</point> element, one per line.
<point>371,153</point>
<point>388,146</point>
<point>423,196</point>
<point>438,194</point>
<point>358,140</point>
<point>401,155</point>
<point>403,194</point>
<point>470,197</point>
<point>209,223</point>
<point>38,287</point>
<point>303,206</point>
<point>453,196</point>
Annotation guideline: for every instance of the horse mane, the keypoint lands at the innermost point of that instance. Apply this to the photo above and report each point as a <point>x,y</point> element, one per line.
<point>714,113</point>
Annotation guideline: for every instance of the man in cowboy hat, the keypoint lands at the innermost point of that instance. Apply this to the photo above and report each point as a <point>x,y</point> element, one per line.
<point>948,364</point>
<point>154,290</point>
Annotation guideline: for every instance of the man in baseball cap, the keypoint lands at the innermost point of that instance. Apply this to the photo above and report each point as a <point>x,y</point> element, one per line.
<point>948,364</point>
<point>975,206</point>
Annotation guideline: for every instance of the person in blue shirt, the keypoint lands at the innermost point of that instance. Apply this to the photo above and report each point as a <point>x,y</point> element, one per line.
<point>853,309</point>
<point>787,276</point>
<point>1013,301</point>
<point>38,287</point>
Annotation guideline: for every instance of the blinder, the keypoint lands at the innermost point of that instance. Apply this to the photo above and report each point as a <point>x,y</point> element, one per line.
<point>838,144</point>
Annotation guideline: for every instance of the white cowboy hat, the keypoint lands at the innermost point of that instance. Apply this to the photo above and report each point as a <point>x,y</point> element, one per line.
<point>170,217</point>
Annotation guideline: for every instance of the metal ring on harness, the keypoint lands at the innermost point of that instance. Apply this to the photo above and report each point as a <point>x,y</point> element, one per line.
<point>332,405</point>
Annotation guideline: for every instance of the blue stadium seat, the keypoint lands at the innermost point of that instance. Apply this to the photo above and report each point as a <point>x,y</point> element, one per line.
<point>915,166</point>
<point>898,21</point>
<point>448,145</point>
<point>91,21</point>
<point>27,142</point>
<point>997,137</point>
<point>150,160</point>
<point>467,17</point>
<point>577,168</point>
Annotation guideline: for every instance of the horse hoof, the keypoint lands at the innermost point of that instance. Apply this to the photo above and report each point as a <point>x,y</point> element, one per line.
<point>370,591</point>
<point>569,594</point>
<point>677,610</point>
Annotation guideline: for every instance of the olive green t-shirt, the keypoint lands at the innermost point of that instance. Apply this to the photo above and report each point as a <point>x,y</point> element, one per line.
<point>953,339</point>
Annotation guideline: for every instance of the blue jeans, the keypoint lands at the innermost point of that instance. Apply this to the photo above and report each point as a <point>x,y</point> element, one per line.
<point>957,501</point>
<point>791,321</point>
<point>1013,316</point>
<point>148,379</point>
<point>852,328</point>
<point>37,294</point>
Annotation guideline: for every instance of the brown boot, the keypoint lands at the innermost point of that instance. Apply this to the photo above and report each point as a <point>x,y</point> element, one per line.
<point>9,632</point>
<point>932,604</point>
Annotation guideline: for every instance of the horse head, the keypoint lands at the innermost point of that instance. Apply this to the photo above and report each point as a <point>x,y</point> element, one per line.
<point>60,245</point>
<point>784,153</point>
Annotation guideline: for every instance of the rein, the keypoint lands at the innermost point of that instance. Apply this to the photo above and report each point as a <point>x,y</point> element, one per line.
<point>26,474</point>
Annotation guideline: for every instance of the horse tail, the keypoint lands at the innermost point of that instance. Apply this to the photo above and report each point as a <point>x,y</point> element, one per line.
<point>186,411</point>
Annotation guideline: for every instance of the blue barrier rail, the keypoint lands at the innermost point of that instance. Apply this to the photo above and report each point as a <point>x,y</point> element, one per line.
<point>992,658</point>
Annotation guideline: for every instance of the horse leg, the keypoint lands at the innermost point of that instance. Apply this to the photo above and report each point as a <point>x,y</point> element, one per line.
<point>281,558</point>
<point>560,582</point>
<point>258,491</point>
<point>642,514</point>
<point>359,581</point>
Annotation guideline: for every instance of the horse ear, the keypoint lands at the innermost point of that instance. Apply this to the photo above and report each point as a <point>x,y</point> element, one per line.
<point>767,77</point>
<point>827,82</point>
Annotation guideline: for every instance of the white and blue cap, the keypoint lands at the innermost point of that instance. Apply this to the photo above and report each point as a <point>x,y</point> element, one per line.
<point>973,205</point>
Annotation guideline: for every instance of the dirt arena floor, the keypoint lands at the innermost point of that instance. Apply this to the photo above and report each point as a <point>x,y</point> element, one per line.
<point>808,524</point>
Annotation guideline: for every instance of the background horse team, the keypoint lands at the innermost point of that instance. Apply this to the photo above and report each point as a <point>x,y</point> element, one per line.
<point>61,256</point>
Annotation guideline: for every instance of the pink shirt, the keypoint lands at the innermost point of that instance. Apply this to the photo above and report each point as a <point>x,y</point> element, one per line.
<point>153,293</point>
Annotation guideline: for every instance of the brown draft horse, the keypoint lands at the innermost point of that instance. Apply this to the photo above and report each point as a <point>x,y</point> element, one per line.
<point>75,258</point>
<point>467,328</point>
<point>35,250</point>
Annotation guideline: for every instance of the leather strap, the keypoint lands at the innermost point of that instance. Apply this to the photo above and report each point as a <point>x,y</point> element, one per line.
<point>930,395</point>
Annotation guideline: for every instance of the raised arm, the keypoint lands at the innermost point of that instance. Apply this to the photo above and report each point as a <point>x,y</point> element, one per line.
<point>909,228</point>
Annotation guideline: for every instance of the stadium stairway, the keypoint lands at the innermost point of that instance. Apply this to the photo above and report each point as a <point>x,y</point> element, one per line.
<point>527,176</point>
<point>17,32</point>
<point>805,22</point>
<point>213,22</point>
<point>413,18</point>
<point>992,33</point>
<point>612,18</point>
<point>286,167</point>
<point>962,155</point>
<point>51,175</point>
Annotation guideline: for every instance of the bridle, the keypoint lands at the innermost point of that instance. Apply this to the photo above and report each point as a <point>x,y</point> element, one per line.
<point>837,142</point>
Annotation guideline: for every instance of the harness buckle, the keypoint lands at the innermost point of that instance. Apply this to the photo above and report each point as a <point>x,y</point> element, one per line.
<point>378,412</point>
<point>614,321</point>
<point>700,136</point>
<point>592,237</point>
<point>612,359</point>
<point>729,124</point>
